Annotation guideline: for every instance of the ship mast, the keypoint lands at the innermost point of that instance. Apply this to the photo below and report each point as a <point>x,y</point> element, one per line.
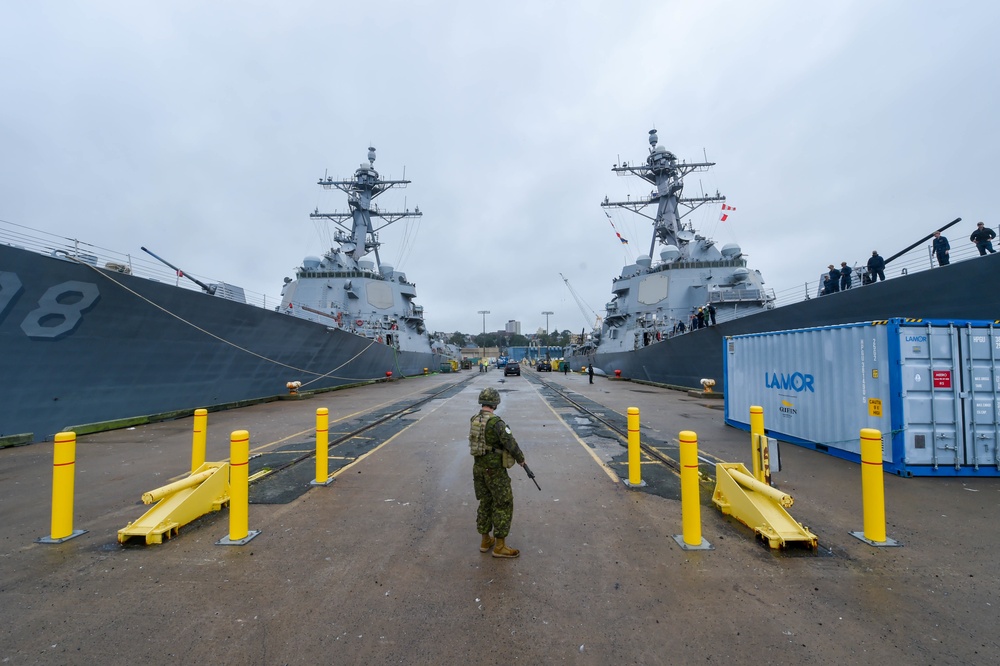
<point>361,237</point>
<point>667,174</point>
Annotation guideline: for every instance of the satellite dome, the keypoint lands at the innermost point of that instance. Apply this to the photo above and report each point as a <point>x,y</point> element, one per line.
<point>387,270</point>
<point>643,260</point>
<point>731,250</point>
<point>740,274</point>
<point>311,262</point>
<point>669,253</point>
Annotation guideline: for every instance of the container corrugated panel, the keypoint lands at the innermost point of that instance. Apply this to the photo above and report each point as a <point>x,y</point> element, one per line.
<point>930,387</point>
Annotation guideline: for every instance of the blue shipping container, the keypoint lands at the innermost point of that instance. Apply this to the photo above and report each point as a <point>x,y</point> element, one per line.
<point>930,387</point>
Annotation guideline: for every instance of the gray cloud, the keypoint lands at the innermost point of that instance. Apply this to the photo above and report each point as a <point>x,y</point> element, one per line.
<point>200,129</point>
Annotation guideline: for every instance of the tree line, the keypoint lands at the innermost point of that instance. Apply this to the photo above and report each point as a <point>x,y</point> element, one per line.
<point>502,340</point>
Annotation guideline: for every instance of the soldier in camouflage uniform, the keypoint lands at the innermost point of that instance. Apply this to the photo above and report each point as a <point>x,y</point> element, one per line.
<point>494,450</point>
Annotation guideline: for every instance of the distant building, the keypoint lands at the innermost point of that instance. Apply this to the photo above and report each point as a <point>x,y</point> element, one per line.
<point>513,327</point>
<point>479,352</point>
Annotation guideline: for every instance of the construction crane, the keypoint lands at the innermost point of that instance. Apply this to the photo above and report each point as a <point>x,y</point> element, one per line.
<point>584,308</point>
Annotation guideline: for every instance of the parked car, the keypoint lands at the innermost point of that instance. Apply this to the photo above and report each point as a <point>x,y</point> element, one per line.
<point>543,366</point>
<point>512,368</point>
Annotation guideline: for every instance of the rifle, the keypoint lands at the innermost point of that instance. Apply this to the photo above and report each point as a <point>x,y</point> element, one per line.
<point>531,475</point>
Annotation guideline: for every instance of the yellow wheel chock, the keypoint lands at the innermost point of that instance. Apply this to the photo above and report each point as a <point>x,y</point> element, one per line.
<point>179,503</point>
<point>758,506</point>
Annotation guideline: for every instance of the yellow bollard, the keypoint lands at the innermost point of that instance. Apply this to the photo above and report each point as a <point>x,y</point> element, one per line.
<point>63,474</point>
<point>690,496</point>
<point>873,490</point>
<point>322,448</point>
<point>634,453</point>
<point>239,491</point>
<point>198,436</point>
<point>756,428</point>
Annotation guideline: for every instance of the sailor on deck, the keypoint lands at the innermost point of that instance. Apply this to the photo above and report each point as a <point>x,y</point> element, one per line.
<point>845,276</point>
<point>983,237</point>
<point>876,266</point>
<point>941,247</point>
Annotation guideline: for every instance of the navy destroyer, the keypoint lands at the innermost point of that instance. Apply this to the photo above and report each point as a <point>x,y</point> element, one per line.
<point>87,341</point>
<point>650,330</point>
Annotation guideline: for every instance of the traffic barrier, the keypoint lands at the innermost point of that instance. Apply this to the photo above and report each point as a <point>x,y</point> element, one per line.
<point>239,491</point>
<point>323,477</point>
<point>63,476</point>
<point>634,453</point>
<point>758,506</point>
<point>198,437</point>
<point>179,503</point>
<point>873,490</point>
<point>756,429</point>
<point>691,539</point>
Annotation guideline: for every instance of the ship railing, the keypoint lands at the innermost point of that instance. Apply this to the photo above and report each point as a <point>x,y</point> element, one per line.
<point>917,260</point>
<point>724,296</point>
<point>313,273</point>
<point>138,265</point>
<point>678,265</point>
<point>718,263</point>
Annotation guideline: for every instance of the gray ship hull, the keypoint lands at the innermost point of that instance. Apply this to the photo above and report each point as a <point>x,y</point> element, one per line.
<point>963,290</point>
<point>126,346</point>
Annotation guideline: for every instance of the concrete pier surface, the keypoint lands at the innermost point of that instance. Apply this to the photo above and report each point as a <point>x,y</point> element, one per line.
<point>383,565</point>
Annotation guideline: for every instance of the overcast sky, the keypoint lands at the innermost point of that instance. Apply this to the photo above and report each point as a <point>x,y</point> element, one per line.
<point>199,129</point>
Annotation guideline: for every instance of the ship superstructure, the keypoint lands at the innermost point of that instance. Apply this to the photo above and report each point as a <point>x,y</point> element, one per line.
<point>646,333</point>
<point>88,341</point>
<point>651,300</point>
<point>344,289</point>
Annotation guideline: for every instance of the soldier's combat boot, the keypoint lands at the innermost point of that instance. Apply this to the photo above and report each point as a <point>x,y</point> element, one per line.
<point>501,549</point>
<point>486,543</point>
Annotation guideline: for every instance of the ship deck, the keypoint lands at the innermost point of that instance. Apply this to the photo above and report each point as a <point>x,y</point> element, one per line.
<point>383,566</point>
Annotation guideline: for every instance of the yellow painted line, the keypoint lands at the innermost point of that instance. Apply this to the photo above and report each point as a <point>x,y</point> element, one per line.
<point>264,447</point>
<point>593,455</point>
<point>269,445</point>
<point>335,420</point>
<point>259,475</point>
<point>368,453</point>
<point>607,470</point>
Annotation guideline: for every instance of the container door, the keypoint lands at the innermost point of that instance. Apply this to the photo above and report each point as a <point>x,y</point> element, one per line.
<point>982,425</point>
<point>932,405</point>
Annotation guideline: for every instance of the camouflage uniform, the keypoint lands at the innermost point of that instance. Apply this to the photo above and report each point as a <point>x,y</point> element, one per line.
<point>490,478</point>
